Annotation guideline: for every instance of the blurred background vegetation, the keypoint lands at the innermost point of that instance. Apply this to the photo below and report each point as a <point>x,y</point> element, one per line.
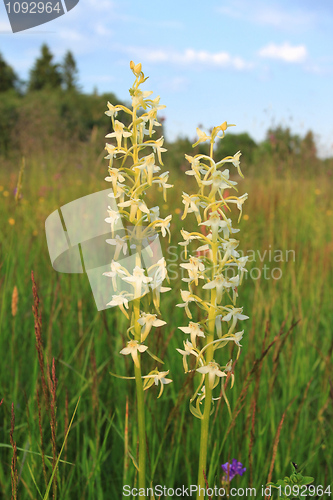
<point>282,399</point>
<point>50,109</point>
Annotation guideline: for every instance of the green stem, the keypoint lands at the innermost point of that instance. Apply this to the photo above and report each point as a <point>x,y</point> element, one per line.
<point>137,336</point>
<point>205,428</point>
<point>140,402</point>
<point>141,427</point>
<point>208,390</point>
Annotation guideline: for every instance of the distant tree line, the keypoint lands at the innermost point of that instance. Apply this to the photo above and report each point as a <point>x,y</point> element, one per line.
<point>8,77</point>
<point>44,74</point>
<point>50,109</point>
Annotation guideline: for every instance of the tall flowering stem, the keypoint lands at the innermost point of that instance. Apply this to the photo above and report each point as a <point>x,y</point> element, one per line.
<point>138,244</point>
<point>215,268</point>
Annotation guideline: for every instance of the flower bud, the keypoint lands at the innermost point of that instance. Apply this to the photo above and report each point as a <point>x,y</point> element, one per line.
<point>224,126</point>
<point>136,68</point>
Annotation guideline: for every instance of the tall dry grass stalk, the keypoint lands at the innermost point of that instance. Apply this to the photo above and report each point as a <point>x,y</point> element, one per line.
<point>39,341</point>
<point>14,301</point>
<point>276,444</point>
<point>49,386</point>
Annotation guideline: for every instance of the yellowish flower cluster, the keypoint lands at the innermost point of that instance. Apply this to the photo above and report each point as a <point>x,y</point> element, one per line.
<point>218,268</point>
<point>140,279</point>
<point>130,180</point>
<point>215,267</point>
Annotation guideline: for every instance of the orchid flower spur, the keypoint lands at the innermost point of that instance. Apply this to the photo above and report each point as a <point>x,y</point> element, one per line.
<point>210,285</point>
<point>137,268</point>
<point>156,377</point>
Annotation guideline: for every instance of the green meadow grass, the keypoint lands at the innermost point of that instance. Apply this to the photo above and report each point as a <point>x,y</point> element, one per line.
<point>282,398</point>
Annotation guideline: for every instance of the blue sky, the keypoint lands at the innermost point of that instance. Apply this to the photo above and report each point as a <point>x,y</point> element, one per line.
<point>253,63</point>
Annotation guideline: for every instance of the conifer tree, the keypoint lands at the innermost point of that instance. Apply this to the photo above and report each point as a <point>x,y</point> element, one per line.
<point>45,72</point>
<point>8,77</point>
<point>69,72</point>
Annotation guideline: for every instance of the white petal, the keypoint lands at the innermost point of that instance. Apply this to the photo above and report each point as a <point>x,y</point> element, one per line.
<point>185,329</point>
<point>209,285</point>
<point>204,369</point>
<point>142,348</point>
<point>242,316</point>
<point>227,317</point>
<point>125,351</point>
<point>159,322</point>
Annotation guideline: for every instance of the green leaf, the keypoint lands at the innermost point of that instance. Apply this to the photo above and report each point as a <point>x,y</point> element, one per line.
<point>154,357</point>
<point>46,496</point>
<point>196,412</point>
<point>221,344</point>
<point>307,480</point>
<point>280,482</point>
<point>133,460</point>
<point>148,383</point>
<point>5,445</point>
<point>121,376</point>
<point>34,480</point>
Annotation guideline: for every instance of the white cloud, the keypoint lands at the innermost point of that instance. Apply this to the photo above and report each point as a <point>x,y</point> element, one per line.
<point>318,69</point>
<point>175,84</point>
<point>174,24</point>
<point>71,35</point>
<point>280,18</point>
<point>75,39</point>
<point>190,57</point>
<point>5,27</point>
<point>287,18</point>
<point>284,52</point>
<point>101,29</point>
<point>100,5</point>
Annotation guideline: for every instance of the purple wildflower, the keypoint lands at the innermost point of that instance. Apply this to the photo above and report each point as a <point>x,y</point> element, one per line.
<point>232,469</point>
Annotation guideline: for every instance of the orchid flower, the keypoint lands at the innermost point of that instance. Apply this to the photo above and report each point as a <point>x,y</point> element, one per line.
<point>212,370</point>
<point>194,330</point>
<point>119,133</point>
<point>132,348</point>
